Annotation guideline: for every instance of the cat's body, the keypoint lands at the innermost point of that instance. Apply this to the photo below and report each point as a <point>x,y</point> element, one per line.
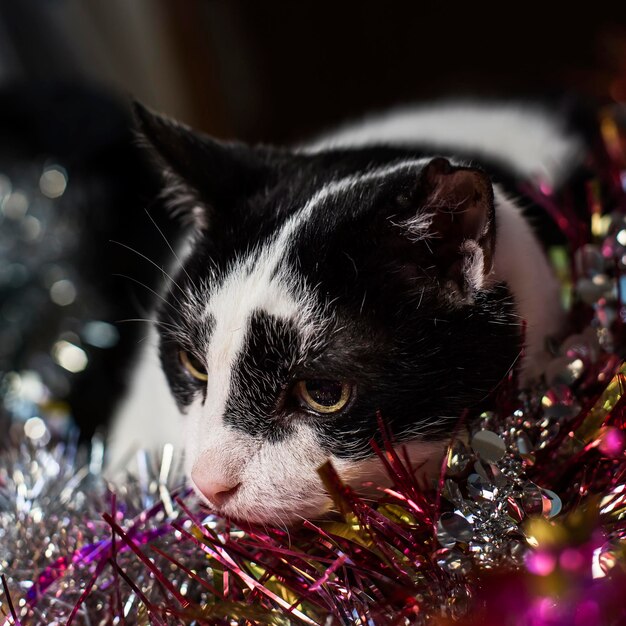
<point>384,278</point>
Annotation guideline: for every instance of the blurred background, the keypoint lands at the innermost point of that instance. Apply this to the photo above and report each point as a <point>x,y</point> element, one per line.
<point>277,71</point>
<point>75,192</point>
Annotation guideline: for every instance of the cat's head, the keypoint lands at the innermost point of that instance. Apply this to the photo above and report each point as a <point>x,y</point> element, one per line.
<point>319,289</point>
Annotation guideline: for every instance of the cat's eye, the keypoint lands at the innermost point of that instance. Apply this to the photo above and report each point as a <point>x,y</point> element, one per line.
<point>193,365</point>
<point>323,396</point>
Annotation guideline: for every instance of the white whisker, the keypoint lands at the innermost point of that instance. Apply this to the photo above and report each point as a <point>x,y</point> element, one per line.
<point>182,266</point>
<point>143,256</point>
<point>156,293</point>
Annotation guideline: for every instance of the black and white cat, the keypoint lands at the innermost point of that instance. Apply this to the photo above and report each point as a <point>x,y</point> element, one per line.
<point>378,269</point>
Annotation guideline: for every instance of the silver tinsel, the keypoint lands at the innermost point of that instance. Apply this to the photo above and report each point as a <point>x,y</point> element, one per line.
<point>56,544</point>
<point>485,527</point>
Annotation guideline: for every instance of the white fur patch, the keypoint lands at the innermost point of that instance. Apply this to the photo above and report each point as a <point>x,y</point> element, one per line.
<point>250,287</point>
<point>529,139</point>
<point>474,264</point>
<point>425,455</point>
<point>148,418</point>
<point>417,227</point>
<point>521,263</point>
<point>279,480</point>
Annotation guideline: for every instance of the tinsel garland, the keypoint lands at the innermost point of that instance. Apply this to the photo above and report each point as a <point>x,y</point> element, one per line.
<point>526,526</point>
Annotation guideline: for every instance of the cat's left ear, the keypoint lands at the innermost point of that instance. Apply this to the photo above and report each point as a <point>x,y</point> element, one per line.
<point>456,223</point>
<point>204,177</point>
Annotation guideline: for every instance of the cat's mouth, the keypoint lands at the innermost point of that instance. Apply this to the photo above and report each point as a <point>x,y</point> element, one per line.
<point>240,506</point>
<point>292,498</point>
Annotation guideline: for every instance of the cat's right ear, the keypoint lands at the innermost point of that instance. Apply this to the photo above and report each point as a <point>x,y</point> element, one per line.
<point>204,176</point>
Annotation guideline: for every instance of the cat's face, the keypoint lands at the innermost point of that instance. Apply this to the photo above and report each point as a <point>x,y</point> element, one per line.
<point>320,290</point>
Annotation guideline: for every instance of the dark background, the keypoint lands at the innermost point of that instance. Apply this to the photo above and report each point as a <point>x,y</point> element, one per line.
<point>275,71</point>
<point>255,70</point>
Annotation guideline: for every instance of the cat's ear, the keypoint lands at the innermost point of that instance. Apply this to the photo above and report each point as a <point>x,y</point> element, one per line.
<point>455,222</point>
<point>204,176</point>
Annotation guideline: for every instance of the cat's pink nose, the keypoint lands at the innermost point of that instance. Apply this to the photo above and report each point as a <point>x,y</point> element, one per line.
<point>216,492</point>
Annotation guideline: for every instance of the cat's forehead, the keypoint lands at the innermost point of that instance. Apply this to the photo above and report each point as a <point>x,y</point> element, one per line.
<point>305,208</point>
<point>285,270</point>
<point>272,264</point>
